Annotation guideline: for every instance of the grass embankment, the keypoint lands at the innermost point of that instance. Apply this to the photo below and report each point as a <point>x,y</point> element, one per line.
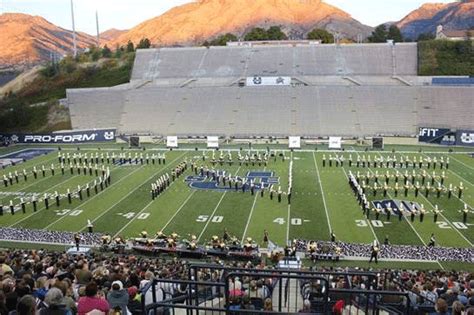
<point>444,57</point>
<point>35,107</point>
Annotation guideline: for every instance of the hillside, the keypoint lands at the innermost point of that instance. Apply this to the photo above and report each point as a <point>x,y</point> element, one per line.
<point>26,39</point>
<point>110,35</point>
<point>195,22</point>
<point>30,102</point>
<point>453,16</point>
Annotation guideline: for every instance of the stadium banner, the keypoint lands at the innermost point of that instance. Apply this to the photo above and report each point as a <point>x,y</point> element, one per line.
<point>465,138</point>
<point>268,81</point>
<point>335,142</point>
<point>171,141</point>
<point>443,136</point>
<point>83,136</point>
<point>294,142</point>
<point>212,142</point>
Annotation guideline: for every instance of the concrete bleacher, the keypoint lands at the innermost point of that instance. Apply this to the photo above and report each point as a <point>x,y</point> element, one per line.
<point>346,90</point>
<point>306,111</point>
<point>284,60</point>
<point>95,108</point>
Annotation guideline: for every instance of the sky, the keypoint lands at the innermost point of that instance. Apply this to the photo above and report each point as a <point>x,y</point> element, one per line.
<point>124,14</point>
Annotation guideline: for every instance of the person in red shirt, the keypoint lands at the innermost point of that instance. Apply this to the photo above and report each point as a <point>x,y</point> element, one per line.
<point>92,301</point>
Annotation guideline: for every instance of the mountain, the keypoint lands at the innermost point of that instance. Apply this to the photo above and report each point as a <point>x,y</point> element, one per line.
<point>110,35</point>
<point>453,16</point>
<point>27,39</point>
<point>195,22</point>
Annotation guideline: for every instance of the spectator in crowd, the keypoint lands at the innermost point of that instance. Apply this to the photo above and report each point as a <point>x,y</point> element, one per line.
<point>441,307</point>
<point>134,304</point>
<point>246,303</point>
<point>267,305</point>
<point>26,306</point>
<point>92,301</point>
<point>458,308</point>
<point>83,275</point>
<point>53,303</point>
<point>118,297</point>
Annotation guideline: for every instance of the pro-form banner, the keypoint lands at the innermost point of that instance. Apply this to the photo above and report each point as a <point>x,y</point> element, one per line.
<point>465,137</point>
<point>83,136</point>
<point>442,136</point>
<point>268,81</point>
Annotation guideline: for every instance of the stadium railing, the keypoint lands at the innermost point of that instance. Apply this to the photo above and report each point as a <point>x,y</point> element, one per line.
<point>452,81</point>
<point>286,288</point>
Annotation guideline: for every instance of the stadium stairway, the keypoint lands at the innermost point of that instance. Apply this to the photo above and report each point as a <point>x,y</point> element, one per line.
<point>293,300</point>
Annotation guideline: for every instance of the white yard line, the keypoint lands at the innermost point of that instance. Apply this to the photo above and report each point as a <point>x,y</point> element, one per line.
<point>367,220</point>
<point>322,193</point>
<point>466,165</point>
<point>249,218</point>
<point>149,204</point>
<point>178,210</point>
<point>215,209</point>
<point>452,226</point>
<point>40,209</point>
<point>210,217</point>
<point>88,200</point>
<point>288,224</point>
<point>290,171</point>
<point>34,182</point>
<point>408,221</point>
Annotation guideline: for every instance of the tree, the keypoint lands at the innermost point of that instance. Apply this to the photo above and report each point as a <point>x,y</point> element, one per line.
<point>144,43</point>
<point>256,33</point>
<point>425,36</point>
<point>395,34</point>
<point>130,47</point>
<point>106,52</point>
<point>379,35</point>
<point>118,51</point>
<point>275,33</point>
<point>321,34</point>
<point>221,40</point>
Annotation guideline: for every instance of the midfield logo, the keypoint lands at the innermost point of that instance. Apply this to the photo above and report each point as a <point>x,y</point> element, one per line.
<point>396,205</point>
<point>259,178</point>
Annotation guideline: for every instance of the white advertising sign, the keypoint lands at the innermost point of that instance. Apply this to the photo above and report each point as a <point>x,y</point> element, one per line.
<point>172,142</point>
<point>212,142</point>
<point>294,142</point>
<point>335,142</point>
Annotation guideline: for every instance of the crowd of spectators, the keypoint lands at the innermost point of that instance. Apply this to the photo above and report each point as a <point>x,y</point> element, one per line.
<point>394,251</point>
<point>52,237</point>
<point>46,282</point>
<point>346,249</point>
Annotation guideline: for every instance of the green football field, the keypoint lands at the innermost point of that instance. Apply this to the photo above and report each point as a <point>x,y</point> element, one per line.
<point>322,200</point>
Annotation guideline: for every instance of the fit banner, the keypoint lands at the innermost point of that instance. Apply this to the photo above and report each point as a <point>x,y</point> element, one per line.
<point>443,136</point>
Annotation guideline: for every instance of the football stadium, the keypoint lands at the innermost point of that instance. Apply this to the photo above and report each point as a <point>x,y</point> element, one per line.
<point>273,177</point>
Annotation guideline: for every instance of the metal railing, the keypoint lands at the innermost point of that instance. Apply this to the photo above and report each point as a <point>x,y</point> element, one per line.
<point>214,289</point>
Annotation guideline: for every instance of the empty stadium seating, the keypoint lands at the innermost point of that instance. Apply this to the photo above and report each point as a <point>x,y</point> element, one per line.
<point>346,90</point>
<point>285,60</point>
<point>275,111</point>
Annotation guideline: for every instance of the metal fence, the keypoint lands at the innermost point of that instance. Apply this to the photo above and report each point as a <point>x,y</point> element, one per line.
<point>213,289</point>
